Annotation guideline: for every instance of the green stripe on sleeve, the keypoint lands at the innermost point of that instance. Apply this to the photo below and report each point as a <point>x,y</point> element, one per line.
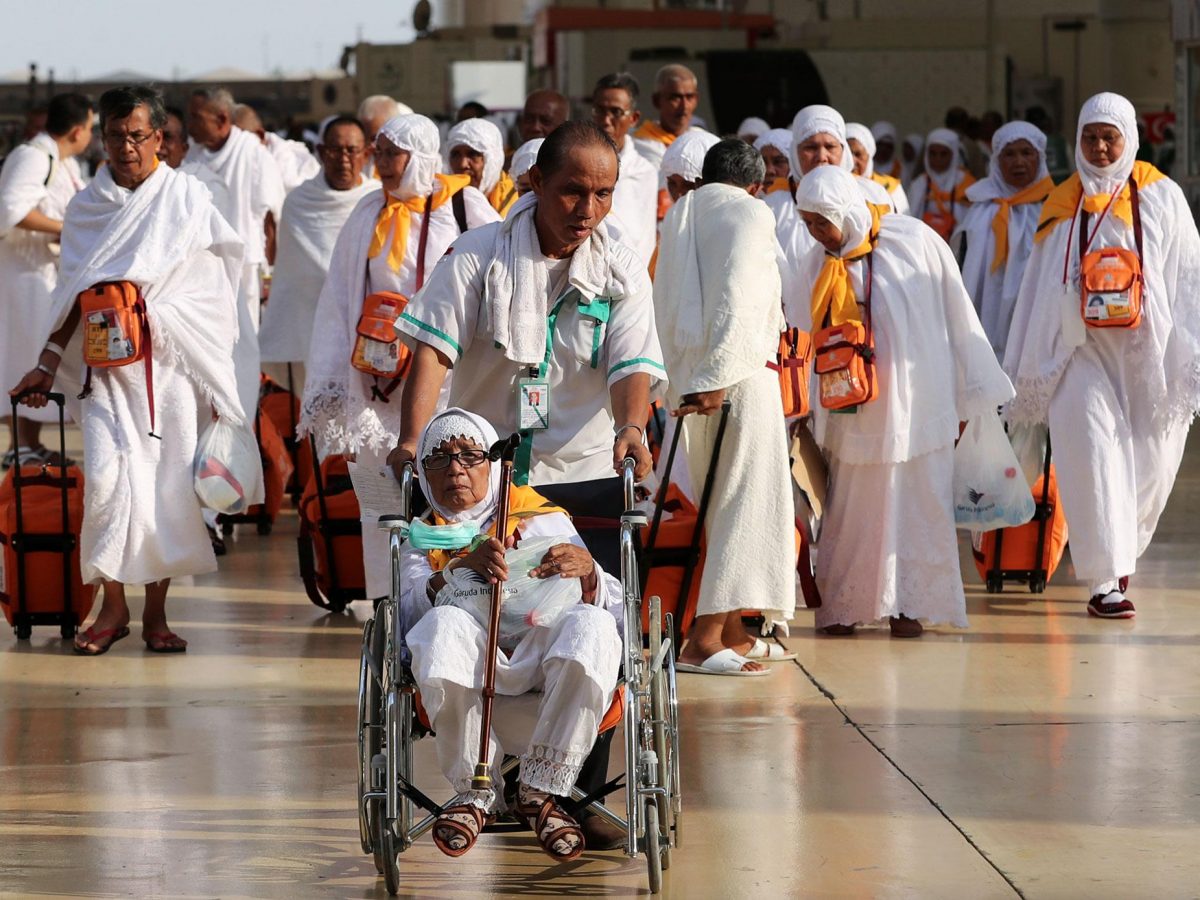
<point>641,360</point>
<point>435,332</point>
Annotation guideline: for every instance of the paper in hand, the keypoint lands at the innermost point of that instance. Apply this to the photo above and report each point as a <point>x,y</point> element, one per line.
<point>377,490</point>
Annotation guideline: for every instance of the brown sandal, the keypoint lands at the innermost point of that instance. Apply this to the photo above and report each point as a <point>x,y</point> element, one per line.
<point>551,824</point>
<point>462,821</point>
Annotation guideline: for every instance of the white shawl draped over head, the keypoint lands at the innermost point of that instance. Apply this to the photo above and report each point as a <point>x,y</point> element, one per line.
<point>1165,349</point>
<point>885,130</point>
<point>753,126</point>
<point>419,136</point>
<point>717,270</point>
<point>685,157</point>
<point>156,237</point>
<point>446,426</point>
<point>1107,109</point>
<point>995,292</point>
<point>483,137</point>
<point>525,157</point>
<point>858,132</point>
<point>935,365</point>
<point>780,139</point>
<point>313,216</point>
<point>818,119</point>
<point>517,284</point>
<point>944,137</point>
<point>255,186</point>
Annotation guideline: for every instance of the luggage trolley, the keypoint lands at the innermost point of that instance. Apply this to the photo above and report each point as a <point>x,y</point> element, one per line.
<point>390,719</point>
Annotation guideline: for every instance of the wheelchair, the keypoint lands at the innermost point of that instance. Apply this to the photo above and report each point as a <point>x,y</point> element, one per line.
<point>393,813</point>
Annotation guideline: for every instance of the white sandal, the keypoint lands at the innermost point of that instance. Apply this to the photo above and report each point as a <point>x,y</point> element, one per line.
<point>762,651</point>
<point>723,662</point>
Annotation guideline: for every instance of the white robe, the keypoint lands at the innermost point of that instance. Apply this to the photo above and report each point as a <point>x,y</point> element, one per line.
<point>1120,403</point>
<point>296,163</point>
<point>918,194</point>
<point>253,188</point>
<point>33,177</point>
<point>313,216</point>
<point>716,298</point>
<point>572,666</point>
<point>337,407</point>
<point>891,462</point>
<point>142,520</point>
<point>635,202</point>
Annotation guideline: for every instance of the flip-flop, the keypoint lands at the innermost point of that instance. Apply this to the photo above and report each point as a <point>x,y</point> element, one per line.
<point>723,662</point>
<point>94,637</point>
<point>763,651</point>
<point>161,638</point>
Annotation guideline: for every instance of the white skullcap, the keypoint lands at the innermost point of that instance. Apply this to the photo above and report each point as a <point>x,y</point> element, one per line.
<point>818,119</point>
<point>1115,110</point>
<point>419,136</point>
<point>861,133</point>
<point>446,426</point>
<point>753,126</point>
<point>685,157</point>
<point>834,194</point>
<point>524,158</point>
<point>483,137</point>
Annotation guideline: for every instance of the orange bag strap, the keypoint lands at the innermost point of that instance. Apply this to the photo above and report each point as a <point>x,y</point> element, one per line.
<point>1085,242</point>
<point>143,318</point>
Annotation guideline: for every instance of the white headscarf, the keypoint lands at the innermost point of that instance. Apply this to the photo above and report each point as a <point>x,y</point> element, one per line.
<point>994,185</point>
<point>834,194</point>
<point>483,137</point>
<point>1115,110</point>
<point>419,136</point>
<point>458,423</point>
<point>818,119</point>
<point>861,133</point>
<point>524,158</point>
<point>943,137</point>
<point>685,157</point>
<point>753,126</point>
<point>885,129</point>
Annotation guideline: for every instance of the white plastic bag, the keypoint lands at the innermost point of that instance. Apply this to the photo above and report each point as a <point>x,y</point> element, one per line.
<point>990,491</point>
<point>228,468</point>
<point>526,602</point>
<point>1029,446</point>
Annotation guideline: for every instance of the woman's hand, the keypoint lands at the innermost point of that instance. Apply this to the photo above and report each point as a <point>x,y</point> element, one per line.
<point>35,380</point>
<point>487,561</point>
<point>570,561</point>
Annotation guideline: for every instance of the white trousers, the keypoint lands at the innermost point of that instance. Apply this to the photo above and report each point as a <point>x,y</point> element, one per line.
<point>572,666</point>
<point>1115,466</point>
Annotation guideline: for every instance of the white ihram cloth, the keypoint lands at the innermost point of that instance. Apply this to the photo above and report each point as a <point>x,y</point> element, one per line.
<point>313,215</point>
<point>716,300</point>
<point>33,177</point>
<point>295,161</point>
<point>1118,402</point>
<point>635,202</point>
<point>142,521</point>
<point>891,468</point>
<point>571,665</point>
<point>253,188</point>
<point>995,292</point>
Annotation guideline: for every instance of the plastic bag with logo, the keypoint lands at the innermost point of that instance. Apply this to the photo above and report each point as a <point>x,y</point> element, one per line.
<point>227,473</point>
<point>990,490</point>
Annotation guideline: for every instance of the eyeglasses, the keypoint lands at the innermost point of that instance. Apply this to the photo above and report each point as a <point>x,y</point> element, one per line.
<point>137,138</point>
<point>610,112</point>
<point>349,152</point>
<point>466,459</point>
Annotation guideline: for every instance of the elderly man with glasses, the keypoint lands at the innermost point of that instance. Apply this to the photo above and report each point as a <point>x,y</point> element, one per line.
<point>634,206</point>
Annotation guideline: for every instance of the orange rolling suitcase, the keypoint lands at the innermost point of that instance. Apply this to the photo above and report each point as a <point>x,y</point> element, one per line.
<point>281,404</point>
<point>1030,553</point>
<point>330,541</point>
<point>41,512</point>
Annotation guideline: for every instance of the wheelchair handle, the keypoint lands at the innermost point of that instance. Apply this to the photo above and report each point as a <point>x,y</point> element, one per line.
<point>407,474</point>
<point>629,481</point>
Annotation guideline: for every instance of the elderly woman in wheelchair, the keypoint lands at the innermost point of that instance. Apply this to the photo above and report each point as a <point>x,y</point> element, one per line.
<point>559,637</point>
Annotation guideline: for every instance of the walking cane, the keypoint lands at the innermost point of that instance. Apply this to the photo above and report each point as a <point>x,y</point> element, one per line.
<point>505,451</point>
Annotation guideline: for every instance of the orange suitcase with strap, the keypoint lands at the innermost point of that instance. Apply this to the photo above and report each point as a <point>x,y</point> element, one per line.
<point>330,541</point>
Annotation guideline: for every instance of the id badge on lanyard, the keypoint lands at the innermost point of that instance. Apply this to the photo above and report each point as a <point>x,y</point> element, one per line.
<point>533,402</point>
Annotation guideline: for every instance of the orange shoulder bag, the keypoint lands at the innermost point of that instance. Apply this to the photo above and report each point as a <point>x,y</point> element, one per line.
<point>792,365</point>
<point>845,358</point>
<point>1110,279</point>
<point>116,332</point>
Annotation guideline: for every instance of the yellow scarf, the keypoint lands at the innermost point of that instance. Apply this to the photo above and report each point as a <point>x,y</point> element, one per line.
<point>1064,200</point>
<point>941,198</point>
<point>399,213</point>
<point>890,184</point>
<point>833,293</point>
<point>1035,193</point>
<point>503,195</point>
<point>652,131</point>
<point>778,184</point>
<point>895,170</point>
<point>523,503</point>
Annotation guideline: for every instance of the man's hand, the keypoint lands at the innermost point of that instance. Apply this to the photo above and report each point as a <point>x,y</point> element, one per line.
<point>702,403</point>
<point>34,380</point>
<point>629,443</point>
<point>402,454</point>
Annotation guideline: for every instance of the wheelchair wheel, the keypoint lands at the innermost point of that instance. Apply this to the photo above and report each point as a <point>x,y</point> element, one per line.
<point>387,853</point>
<point>376,810</point>
<point>368,697</point>
<point>652,847</point>
<point>660,730</point>
<point>674,774</point>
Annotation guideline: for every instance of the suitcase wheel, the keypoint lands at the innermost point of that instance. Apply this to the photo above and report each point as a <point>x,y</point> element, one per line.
<point>226,528</point>
<point>1037,585</point>
<point>67,631</point>
<point>263,526</point>
<point>995,584</point>
<point>24,632</point>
